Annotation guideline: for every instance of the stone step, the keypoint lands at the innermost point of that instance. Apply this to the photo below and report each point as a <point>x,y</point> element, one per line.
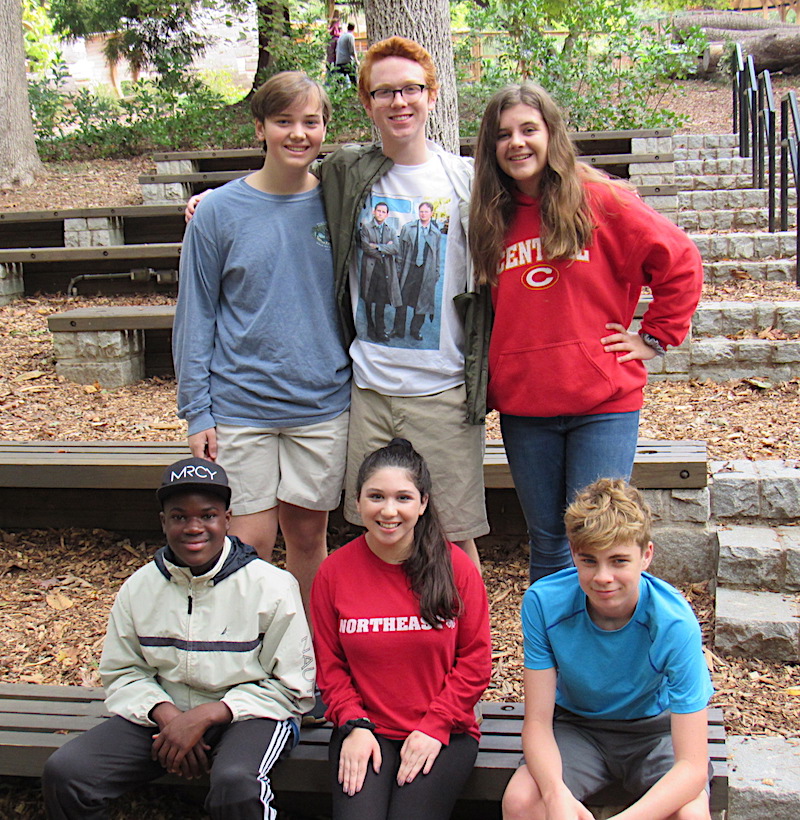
<point>763,778</point>
<point>722,359</point>
<point>769,270</point>
<point>734,199</point>
<point>763,625</point>
<point>705,141</point>
<point>681,154</point>
<point>759,557</point>
<point>745,220</point>
<point>708,167</point>
<point>751,245</point>
<point>712,182</point>
<point>763,491</point>
<point>732,318</point>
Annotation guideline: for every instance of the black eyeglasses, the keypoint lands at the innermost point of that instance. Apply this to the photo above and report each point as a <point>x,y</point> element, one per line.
<point>410,93</point>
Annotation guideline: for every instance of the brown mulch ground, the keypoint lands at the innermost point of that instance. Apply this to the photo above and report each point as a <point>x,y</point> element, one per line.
<point>56,586</point>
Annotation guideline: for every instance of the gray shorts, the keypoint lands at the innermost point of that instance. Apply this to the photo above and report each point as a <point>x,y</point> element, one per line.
<point>598,753</point>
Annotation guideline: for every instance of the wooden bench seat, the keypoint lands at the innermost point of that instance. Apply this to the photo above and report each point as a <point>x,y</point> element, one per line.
<point>232,159</point>
<point>110,484</point>
<point>134,268</point>
<point>197,181</point>
<point>132,224</point>
<point>35,720</point>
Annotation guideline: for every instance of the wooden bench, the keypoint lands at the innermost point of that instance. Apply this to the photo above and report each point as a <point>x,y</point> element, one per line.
<point>153,324</point>
<point>111,484</point>
<point>36,720</point>
<point>182,173</point>
<point>238,159</point>
<point>76,227</point>
<point>152,347</point>
<point>193,182</point>
<point>111,269</point>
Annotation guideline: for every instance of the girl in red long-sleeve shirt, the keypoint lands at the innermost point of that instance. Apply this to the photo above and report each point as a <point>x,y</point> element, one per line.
<point>566,251</point>
<point>401,632</point>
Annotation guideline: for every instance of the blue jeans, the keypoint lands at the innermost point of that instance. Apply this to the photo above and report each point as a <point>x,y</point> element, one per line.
<point>551,459</point>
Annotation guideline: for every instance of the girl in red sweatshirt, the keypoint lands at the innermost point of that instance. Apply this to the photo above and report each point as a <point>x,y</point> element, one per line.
<point>401,633</point>
<point>567,251</point>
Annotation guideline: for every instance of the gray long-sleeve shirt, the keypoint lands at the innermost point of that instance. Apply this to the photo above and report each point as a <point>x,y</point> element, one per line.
<point>257,340</point>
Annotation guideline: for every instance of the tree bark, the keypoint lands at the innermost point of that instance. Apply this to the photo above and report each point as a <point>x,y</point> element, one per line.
<point>272,19</point>
<point>731,20</point>
<point>429,24</point>
<point>19,161</point>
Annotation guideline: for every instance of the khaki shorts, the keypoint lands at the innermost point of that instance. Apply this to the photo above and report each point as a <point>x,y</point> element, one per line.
<point>303,466</point>
<point>437,427</point>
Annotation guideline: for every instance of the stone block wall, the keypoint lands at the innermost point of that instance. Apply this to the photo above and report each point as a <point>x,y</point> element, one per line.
<point>112,358</point>
<point>87,232</point>
<point>11,283</point>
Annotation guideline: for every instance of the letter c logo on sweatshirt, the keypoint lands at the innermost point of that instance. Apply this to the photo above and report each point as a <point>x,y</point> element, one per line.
<point>539,277</point>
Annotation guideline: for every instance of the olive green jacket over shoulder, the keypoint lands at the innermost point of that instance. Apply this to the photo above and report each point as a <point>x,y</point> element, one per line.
<point>347,178</point>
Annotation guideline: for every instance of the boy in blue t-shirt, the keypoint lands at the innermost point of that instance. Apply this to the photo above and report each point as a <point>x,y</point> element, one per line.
<point>616,685</point>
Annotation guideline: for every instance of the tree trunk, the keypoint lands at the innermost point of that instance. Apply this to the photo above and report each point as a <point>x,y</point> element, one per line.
<point>19,161</point>
<point>272,19</point>
<point>731,20</point>
<point>774,50</point>
<point>429,24</point>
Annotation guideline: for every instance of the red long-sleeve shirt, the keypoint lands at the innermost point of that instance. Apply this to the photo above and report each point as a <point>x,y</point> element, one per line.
<point>377,658</point>
<point>545,357</point>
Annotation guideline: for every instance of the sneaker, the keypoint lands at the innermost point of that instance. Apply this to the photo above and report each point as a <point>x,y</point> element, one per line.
<point>316,715</point>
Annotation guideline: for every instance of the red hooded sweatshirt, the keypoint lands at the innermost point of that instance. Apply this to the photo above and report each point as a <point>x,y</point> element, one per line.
<point>545,357</point>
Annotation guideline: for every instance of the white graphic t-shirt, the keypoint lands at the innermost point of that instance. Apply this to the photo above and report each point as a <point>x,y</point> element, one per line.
<point>409,264</point>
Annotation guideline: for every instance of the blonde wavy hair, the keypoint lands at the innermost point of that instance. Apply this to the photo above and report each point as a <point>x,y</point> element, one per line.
<point>607,513</point>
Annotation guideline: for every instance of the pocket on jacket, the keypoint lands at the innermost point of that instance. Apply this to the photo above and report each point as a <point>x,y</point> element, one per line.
<point>560,379</point>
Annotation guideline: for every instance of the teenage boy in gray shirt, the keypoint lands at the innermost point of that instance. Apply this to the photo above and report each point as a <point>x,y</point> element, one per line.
<point>263,372</point>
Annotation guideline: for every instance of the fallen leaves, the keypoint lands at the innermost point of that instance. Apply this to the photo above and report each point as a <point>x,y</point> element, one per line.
<point>59,601</point>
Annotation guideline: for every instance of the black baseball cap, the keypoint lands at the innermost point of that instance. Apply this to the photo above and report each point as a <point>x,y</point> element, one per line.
<point>194,475</point>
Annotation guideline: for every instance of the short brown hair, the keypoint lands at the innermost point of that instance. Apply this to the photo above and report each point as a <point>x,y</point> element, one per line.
<point>607,513</point>
<point>395,47</point>
<point>282,91</point>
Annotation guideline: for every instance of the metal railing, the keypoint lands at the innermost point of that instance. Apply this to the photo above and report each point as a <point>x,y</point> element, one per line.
<point>755,120</point>
<point>790,120</point>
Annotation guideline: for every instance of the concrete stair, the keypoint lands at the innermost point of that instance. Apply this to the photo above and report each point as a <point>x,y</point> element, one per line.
<point>755,506</point>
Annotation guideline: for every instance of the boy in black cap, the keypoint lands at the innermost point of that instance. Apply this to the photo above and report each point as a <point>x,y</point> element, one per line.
<point>207,666</point>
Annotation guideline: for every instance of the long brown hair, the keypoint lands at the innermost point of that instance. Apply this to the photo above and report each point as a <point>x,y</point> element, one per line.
<point>429,568</point>
<point>566,219</point>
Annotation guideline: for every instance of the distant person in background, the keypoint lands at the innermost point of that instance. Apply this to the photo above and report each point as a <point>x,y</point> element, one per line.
<point>346,59</point>
<point>334,30</point>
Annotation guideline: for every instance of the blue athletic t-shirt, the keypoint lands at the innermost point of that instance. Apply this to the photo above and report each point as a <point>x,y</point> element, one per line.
<point>654,662</point>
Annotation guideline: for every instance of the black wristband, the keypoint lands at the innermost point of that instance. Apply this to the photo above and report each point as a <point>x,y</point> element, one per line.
<point>357,723</point>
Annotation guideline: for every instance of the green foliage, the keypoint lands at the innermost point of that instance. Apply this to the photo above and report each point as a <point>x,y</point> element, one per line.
<point>151,33</point>
<point>155,117</point>
<point>178,110</point>
<point>350,122</point>
<point>604,67</point>
<point>41,48</point>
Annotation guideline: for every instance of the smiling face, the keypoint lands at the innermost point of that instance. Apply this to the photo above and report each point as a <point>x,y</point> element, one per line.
<point>390,506</point>
<point>610,579</point>
<point>521,146</point>
<point>293,137</point>
<point>401,124</point>
<point>195,525</point>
